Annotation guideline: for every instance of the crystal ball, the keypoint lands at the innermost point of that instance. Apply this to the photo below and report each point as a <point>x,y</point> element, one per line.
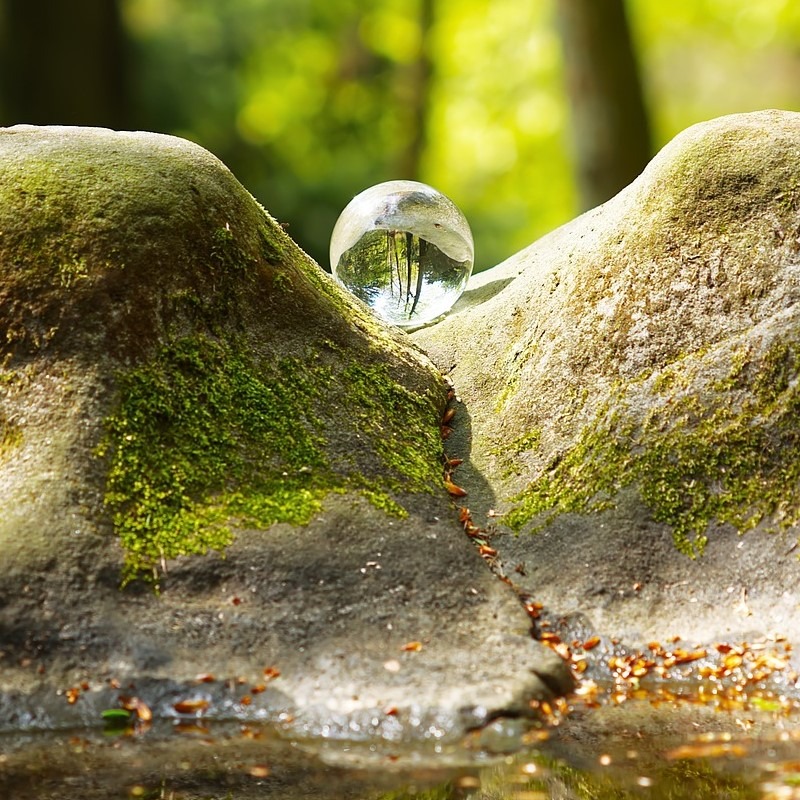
<point>404,249</point>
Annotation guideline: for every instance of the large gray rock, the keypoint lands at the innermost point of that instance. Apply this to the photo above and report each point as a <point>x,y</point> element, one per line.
<point>214,461</point>
<point>630,388</point>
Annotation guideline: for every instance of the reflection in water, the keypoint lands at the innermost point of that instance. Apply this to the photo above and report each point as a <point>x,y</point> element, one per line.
<point>638,749</point>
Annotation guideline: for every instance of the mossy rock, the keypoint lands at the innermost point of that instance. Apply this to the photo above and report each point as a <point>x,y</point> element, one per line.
<point>632,385</point>
<point>212,459</point>
<point>241,386</point>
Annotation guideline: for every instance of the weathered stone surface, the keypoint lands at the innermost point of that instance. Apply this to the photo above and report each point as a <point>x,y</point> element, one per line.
<point>178,378</point>
<point>630,389</point>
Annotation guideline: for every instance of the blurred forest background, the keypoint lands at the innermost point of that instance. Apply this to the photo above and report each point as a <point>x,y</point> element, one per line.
<point>524,112</point>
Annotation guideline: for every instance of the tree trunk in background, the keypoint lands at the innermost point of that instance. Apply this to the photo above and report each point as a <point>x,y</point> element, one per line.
<point>62,63</point>
<point>611,132</point>
<point>415,97</point>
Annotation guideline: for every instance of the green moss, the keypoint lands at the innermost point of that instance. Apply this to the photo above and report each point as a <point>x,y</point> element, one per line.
<point>226,254</point>
<point>578,480</point>
<point>10,436</point>
<point>204,439</point>
<point>282,282</point>
<point>508,455</point>
<point>10,432</point>
<point>69,272</point>
<point>777,369</point>
<point>736,377</point>
<point>508,390</point>
<point>191,429</point>
<point>397,422</point>
<point>664,381</point>
<point>696,459</point>
<point>526,442</point>
<point>381,500</point>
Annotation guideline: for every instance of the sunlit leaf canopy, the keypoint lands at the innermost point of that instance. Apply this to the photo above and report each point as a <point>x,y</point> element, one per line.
<point>311,101</point>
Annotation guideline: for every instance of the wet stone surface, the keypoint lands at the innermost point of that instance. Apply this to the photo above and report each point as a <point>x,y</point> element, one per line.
<point>641,748</point>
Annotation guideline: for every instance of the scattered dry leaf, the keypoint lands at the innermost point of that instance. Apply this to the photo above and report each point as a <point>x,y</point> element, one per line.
<point>270,673</point>
<point>72,694</point>
<point>453,490</point>
<point>190,729</point>
<point>137,706</point>
<point>706,750</point>
<point>196,706</point>
<point>259,771</point>
<point>686,657</point>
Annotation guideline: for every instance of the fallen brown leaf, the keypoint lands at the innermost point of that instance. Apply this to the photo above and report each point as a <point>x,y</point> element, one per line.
<point>191,706</point>
<point>453,490</point>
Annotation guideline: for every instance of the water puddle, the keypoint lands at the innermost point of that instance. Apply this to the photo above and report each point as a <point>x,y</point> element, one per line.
<point>650,746</point>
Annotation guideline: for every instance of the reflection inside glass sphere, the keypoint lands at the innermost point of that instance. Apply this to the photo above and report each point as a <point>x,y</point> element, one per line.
<point>405,250</point>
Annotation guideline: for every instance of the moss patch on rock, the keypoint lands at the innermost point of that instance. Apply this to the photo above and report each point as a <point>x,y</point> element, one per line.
<point>204,439</point>
<point>10,435</point>
<point>233,383</point>
<point>727,451</point>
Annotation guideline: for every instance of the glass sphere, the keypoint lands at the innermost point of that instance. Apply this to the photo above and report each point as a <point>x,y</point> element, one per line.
<point>405,250</point>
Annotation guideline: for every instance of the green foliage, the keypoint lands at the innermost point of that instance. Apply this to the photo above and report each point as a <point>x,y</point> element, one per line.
<point>311,102</point>
<point>705,59</point>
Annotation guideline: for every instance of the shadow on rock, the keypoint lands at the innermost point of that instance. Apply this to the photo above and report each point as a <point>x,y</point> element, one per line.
<point>480,498</point>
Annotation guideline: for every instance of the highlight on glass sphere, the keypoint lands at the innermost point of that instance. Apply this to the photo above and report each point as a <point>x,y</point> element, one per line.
<point>404,249</point>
